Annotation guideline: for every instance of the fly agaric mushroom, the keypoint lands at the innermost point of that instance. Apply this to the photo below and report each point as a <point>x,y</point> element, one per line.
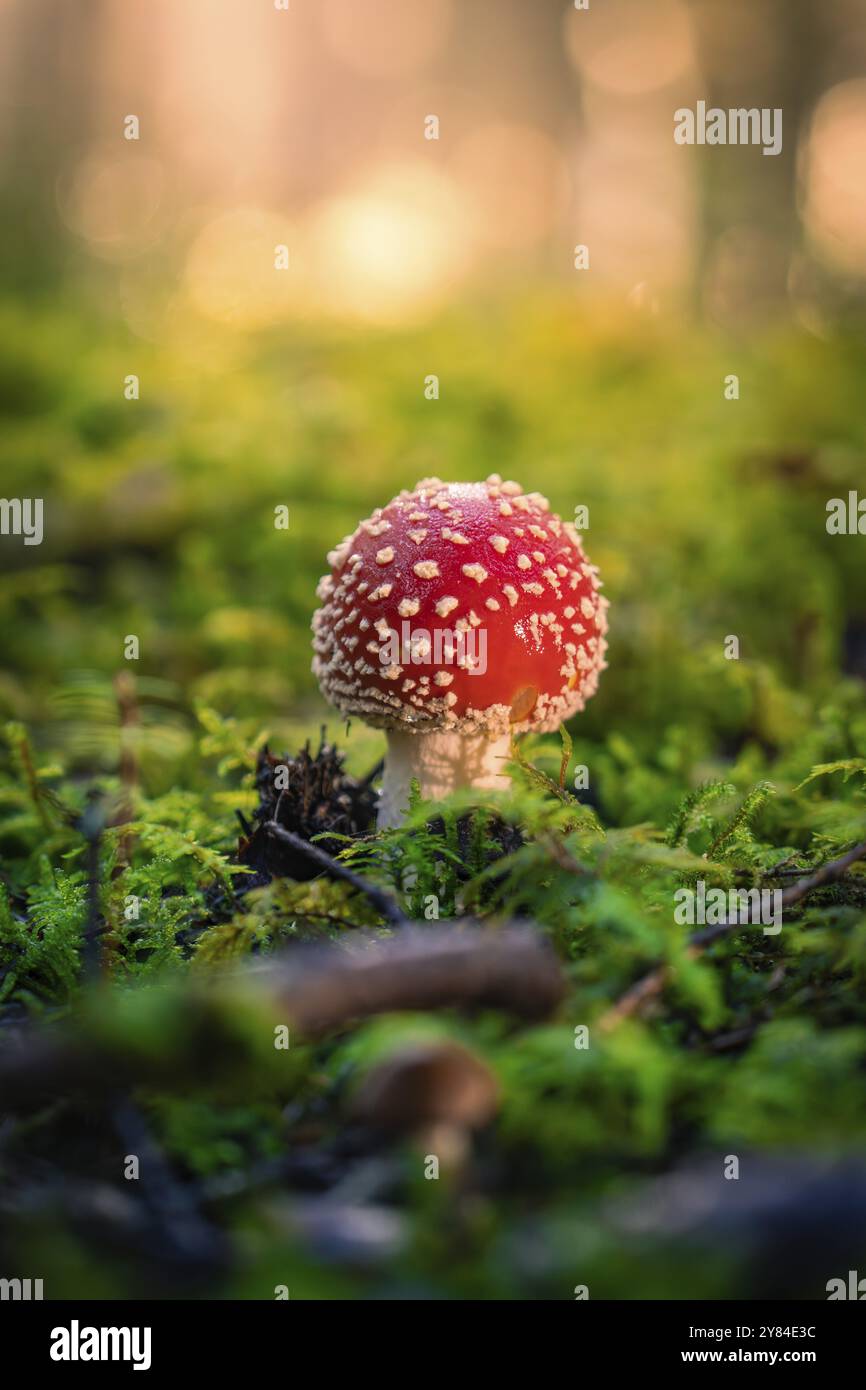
<point>454,617</point>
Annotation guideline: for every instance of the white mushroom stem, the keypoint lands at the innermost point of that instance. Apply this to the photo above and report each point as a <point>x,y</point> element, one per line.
<point>441,762</point>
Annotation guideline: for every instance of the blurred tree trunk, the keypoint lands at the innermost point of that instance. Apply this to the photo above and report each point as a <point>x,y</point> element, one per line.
<point>518,48</point>
<point>48,118</point>
<point>750,229</point>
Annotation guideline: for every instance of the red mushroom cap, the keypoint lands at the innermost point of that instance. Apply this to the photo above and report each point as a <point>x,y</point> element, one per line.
<point>464,606</point>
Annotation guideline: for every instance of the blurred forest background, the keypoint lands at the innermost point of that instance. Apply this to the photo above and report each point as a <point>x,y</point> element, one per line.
<point>304,387</point>
<point>407,256</point>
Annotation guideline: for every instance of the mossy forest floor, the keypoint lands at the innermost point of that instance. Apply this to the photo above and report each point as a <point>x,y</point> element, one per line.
<point>147,910</point>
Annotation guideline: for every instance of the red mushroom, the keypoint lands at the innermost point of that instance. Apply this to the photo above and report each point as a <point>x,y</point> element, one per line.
<point>456,616</point>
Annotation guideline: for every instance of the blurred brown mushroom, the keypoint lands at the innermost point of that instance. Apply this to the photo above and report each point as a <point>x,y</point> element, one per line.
<point>435,1094</point>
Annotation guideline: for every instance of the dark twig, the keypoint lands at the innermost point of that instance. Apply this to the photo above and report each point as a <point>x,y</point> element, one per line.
<point>127,705</point>
<point>382,901</point>
<point>91,825</point>
<point>638,994</point>
<point>23,747</point>
<point>828,873</point>
<point>563,857</point>
<point>652,984</point>
<point>372,774</point>
<point>737,1037</point>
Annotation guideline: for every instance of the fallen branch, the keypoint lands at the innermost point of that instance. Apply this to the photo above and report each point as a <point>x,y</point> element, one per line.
<point>382,901</point>
<point>315,990</point>
<point>455,966</point>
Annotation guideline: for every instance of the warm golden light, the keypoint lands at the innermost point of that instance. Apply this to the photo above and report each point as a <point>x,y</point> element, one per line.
<point>382,38</point>
<point>629,47</point>
<point>835,177</point>
<point>393,248</point>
